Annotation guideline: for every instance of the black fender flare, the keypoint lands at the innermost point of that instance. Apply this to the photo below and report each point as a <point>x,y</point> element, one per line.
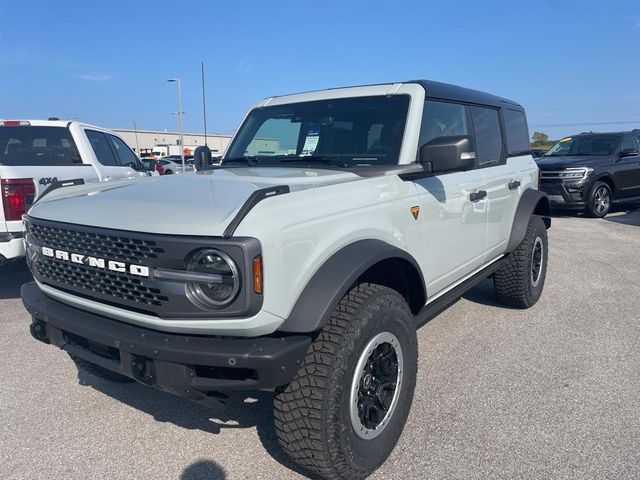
<point>531,202</point>
<point>335,278</point>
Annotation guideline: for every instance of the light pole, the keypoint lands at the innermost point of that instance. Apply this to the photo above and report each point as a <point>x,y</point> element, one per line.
<point>180,112</point>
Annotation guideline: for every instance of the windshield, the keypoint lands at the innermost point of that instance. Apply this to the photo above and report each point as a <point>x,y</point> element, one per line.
<point>584,145</point>
<point>37,146</point>
<point>361,131</point>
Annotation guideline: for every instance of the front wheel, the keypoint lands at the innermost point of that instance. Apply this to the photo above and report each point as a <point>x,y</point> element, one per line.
<point>599,201</point>
<point>343,413</point>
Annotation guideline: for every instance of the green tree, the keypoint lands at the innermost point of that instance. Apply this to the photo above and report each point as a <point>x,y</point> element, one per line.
<point>539,139</point>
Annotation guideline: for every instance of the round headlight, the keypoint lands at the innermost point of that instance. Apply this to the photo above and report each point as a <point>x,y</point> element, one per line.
<point>221,284</point>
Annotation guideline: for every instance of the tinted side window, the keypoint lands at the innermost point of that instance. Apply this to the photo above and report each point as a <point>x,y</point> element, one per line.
<point>630,142</point>
<point>101,148</point>
<point>441,119</point>
<point>515,124</point>
<point>126,157</point>
<point>486,124</point>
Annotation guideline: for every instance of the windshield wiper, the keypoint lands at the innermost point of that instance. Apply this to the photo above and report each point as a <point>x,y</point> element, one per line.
<point>314,158</point>
<point>251,161</point>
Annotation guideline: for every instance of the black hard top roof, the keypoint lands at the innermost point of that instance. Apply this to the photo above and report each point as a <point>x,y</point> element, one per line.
<point>446,91</point>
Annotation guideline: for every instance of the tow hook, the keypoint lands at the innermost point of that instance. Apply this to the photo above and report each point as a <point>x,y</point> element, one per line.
<point>142,370</point>
<point>39,331</point>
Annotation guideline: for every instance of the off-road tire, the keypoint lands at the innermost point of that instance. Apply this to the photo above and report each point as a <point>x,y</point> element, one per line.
<point>514,280</point>
<point>594,207</point>
<point>98,371</point>
<point>312,413</point>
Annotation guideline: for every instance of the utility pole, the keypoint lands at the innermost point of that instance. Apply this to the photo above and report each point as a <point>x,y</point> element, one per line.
<point>135,130</point>
<point>180,112</point>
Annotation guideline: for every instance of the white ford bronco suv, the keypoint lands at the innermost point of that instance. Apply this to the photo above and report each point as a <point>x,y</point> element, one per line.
<point>36,154</point>
<point>339,222</point>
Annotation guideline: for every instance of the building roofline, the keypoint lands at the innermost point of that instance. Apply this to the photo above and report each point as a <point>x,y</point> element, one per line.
<point>162,132</point>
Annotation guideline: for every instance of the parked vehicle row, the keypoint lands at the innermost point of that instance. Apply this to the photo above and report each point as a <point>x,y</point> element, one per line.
<point>35,154</point>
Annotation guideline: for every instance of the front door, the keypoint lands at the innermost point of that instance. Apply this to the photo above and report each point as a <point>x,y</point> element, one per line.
<point>627,171</point>
<point>113,160</point>
<point>454,229</point>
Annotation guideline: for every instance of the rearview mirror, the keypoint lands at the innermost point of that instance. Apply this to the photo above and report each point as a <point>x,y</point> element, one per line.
<point>202,158</point>
<point>628,152</point>
<point>448,154</point>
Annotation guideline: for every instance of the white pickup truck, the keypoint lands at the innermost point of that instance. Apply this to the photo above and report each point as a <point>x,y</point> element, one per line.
<point>35,154</point>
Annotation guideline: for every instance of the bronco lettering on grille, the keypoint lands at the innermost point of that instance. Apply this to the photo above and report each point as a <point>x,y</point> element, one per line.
<point>115,266</point>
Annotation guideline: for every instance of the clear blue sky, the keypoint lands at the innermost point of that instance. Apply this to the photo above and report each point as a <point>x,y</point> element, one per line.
<point>567,61</point>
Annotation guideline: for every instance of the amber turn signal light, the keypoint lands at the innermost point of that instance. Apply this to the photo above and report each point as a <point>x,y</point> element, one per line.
<point>257,274</point>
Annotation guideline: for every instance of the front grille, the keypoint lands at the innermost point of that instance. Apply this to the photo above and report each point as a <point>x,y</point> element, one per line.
<point>113,247</point>
<point>120,286</point>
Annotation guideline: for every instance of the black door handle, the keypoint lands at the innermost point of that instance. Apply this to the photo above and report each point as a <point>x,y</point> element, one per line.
<point>513,185</point>
<point>476,196</point>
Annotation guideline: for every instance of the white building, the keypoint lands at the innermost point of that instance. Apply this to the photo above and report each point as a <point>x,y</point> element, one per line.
<point>150,140</point>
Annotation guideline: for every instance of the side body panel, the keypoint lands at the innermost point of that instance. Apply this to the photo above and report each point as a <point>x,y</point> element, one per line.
<point>626,176</point>
<point>502,199</point>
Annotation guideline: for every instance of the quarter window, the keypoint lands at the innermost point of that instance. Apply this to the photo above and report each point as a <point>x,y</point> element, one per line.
<point>441,119</point>
<point>486,124</point>
<point>101,148</point>
<point>515,124</point>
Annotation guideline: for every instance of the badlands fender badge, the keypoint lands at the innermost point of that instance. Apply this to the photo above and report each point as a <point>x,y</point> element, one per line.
<point>95,262</point>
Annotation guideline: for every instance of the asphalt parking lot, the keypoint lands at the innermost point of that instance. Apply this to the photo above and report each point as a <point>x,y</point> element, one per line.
<point>551,392</point>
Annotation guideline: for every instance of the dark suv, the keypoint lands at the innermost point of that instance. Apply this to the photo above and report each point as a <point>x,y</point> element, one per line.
<point>592,171</point>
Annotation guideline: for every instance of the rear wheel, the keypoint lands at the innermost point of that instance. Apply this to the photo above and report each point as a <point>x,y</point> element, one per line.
<point>520,280</point>
<point>344,411</point>
<point>599,200</point>
<point>100,372</point>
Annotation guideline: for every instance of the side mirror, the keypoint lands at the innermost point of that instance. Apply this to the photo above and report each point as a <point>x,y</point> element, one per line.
<point>628,152</point>
<point>448,154</point>
<point>202,158</point>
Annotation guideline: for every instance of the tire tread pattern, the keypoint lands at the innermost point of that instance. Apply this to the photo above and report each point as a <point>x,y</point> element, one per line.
<point>301,409</point>
<point>512,281</point>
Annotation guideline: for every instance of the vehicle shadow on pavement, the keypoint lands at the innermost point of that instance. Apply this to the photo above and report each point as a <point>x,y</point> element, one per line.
<point>485,294</point>
<point>12,276</point>
<point>203,470</point>
<point>627,217</point>
<point>242,410</point>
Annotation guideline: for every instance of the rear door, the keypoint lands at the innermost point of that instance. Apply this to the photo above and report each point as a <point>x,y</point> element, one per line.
<point>115,158</point>
<point>40,153</point>
<point>502,152</point>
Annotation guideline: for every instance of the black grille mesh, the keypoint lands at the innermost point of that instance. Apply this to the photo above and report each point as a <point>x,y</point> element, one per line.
<point>81,278</point>
<point>112,247</point>
<point>118,285</point>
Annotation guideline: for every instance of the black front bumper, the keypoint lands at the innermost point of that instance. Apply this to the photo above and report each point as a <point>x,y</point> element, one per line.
<point>191,366</point>
<point>565,194</point>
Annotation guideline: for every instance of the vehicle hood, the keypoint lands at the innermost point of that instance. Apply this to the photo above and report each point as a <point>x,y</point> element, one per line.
<point>553,163</point>
<point>188,204</point>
